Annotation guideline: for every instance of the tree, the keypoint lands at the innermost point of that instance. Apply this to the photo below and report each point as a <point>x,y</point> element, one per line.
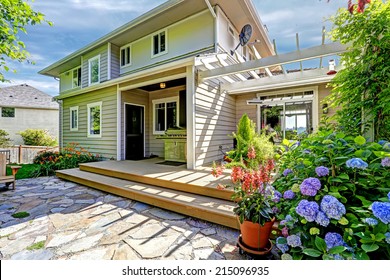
<point>15,16</point>
<point>362,88</point>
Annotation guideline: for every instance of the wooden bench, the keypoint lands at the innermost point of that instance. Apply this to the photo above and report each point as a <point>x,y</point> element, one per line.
<point>4,179</point>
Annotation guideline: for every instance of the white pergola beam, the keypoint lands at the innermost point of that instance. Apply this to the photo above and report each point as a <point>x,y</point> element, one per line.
<point>276,60</point>
<point>308,77</point>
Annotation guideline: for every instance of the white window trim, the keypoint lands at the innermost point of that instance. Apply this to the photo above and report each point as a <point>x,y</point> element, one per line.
<point>75,108</point>
<point>166,43</point>
<point>71,73</point>
<point>164,100</point>
<point>120,55</point>
<point>89,106</point>
<point>89,70</point>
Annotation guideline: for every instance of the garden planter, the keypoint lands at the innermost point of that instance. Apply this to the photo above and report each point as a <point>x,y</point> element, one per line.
<point>256,236</point>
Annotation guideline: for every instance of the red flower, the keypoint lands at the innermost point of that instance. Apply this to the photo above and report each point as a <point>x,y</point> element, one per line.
<point>251,153</point>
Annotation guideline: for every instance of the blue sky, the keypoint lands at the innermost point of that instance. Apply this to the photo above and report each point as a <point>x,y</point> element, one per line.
<point>79,22</point>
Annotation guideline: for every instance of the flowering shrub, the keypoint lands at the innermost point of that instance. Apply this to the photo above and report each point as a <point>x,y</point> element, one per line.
<point>70,157</point>
<point>336,193</point>
<point>252,192</point>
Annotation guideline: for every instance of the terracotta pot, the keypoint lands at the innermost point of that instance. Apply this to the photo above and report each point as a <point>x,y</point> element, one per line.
<point>255,235</point>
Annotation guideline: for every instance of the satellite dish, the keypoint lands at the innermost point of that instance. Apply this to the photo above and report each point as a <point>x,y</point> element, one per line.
<point>245,36</point>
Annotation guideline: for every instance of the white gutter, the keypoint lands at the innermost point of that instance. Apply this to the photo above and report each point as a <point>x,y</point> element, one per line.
<point>210,8</point>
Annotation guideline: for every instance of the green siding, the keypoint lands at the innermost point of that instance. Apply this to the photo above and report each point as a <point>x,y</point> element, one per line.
<point>105,145</point>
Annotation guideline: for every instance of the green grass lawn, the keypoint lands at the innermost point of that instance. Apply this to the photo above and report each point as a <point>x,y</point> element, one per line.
<point>24,172</point>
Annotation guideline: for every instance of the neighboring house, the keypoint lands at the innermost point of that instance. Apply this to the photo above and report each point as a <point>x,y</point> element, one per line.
<point>24,107</point>
<point>119,94</point>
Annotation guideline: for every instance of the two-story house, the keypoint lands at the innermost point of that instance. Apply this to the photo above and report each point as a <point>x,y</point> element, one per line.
<point>119,94</point>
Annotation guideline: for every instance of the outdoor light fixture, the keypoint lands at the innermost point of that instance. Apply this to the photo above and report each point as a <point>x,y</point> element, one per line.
<point>162,85</point>
<point>332,65</point>
<point>325,108</point>
<point>254,102</point>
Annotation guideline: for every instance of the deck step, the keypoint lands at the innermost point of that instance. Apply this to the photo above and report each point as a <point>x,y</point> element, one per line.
<point>214,210</point>
<point>199,182</point>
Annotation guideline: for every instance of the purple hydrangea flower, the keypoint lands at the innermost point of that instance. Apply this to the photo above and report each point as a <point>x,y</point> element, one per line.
<point>277,196</point>
<point>322,171</point>
<point>307,209</point>
<point>310,186</point>
<point>275,210</point>
<point>288,194</point>
<point>385,162</point>
<point>294,240</point>
<point>333,208</point>
<point>381,210</point>
<point>387,234</point>
<point>282,247</point>
<point>337,257</point>
<point>285,231</point>
<point>306,151</point>
<point>371,221</point>
<point>356,163</point>
<point>333,239</point>
<point>322,219</point>
<point>287,171</point>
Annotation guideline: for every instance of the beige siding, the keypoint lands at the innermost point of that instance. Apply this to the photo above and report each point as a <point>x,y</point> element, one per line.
<point>105,145</point>
<point>215,120</point>
<point>141,98</point>
<point>102,51</point>
<point>324,91</point>
<point>242,107</point>
<point>115,66</point>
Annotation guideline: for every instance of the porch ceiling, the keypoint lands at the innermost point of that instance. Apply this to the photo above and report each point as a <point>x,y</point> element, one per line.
<point>235,75</point>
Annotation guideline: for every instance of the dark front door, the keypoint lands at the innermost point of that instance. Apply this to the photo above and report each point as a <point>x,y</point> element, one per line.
<point>134,129</point>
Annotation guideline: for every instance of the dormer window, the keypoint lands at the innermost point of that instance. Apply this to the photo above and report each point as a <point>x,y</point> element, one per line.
<point>126,55</point>
<point>159,43</point>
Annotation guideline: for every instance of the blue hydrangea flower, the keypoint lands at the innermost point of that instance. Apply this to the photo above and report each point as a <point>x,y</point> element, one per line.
<point>385,162</point>
<point>282,247</point>
<point>287,171</point>
<point>277,196</point>
<point>306,151</point>
<point>388,195</point>
<point>322,219</point>
<point>294,240</point>
<point>288,194</point>
<point>307,209</point>
<point>337,257</point>
<point>310,186</point>
<point>322,171</point>
<point>275,210</point>
<point>371,221</point>
<point>381,142</point>
<point>356,163</point>
<point>381,210</point>
<point>387,234</point>
<point>333,208</point>
<point>333,239</point>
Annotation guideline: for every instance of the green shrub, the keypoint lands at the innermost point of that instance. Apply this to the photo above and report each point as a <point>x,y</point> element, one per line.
<point>70,157</point>
<point>4,140</point>
<point>38,137</point>
<point>330,184</point>
<point>247,138</point>
<point>36,246</point>
<point>20,215</point>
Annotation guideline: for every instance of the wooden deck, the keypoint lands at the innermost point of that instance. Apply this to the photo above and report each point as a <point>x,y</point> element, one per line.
<point>188,192</point>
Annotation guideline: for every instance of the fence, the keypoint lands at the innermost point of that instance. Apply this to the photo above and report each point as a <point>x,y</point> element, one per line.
<point>24,154</point>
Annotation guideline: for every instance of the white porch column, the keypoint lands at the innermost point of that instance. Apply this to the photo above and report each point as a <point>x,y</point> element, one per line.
<point>119,124</point>
<point>190,88</point>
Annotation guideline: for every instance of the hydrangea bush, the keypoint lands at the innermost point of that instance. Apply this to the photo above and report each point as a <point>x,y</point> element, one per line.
<point>335,200</point>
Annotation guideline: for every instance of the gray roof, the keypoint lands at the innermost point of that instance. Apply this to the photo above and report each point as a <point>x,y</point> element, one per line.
<point>27,97</point>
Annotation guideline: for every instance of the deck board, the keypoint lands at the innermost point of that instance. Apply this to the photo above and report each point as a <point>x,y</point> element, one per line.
<point>214,210</point>
<point>173,177</point>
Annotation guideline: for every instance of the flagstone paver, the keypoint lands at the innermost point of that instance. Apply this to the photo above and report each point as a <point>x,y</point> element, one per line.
<point>79,223</point>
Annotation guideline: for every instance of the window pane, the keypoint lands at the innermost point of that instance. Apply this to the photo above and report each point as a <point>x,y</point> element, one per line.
<point>94,120</point>
<point>155,44</point>
<point>94,66</point>
<point>74,119</point>
<point>128,55</point>
<point>76,77</point>
<point>160,117</point>
<point>123,58</point>
<point>79,77</point>
<point>171,114</point>
<point>162,41</point>
<point>8,112</point>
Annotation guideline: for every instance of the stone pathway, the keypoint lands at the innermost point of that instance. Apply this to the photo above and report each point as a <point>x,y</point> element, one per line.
<point>69,221</point>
